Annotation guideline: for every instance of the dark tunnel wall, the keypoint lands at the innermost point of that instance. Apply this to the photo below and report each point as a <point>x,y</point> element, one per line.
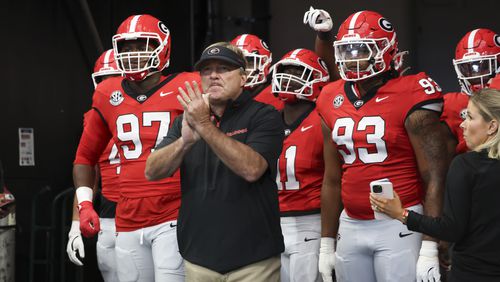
<point>49,54</point>
<point>49,50</point>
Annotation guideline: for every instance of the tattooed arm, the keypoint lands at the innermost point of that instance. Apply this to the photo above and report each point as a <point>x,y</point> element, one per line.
<point>429,141</point>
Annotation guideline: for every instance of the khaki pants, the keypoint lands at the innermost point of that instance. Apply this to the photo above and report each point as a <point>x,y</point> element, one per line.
<point>267,270</point>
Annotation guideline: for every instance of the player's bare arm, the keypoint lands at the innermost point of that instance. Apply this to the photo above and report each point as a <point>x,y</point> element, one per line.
<point>331,202</point>
<point>83,175</point>
<point>324,48</point>
<point>451,140</point>
<point>429,143</point>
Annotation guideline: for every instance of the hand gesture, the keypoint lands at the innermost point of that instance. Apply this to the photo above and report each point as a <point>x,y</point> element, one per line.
<point>75,243</point>
<point>391,207</point>
<point>318,19</point>
<point>195,104</point>
<point>189,135</point>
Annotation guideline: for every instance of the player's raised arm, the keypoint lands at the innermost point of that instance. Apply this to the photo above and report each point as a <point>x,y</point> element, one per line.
<point>320,21</point>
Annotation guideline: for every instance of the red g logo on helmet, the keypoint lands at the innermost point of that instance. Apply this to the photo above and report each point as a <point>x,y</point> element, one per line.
<point>163,28</point>
<point>496,39</point>
<point>264,44</point>
<point>385,25</point>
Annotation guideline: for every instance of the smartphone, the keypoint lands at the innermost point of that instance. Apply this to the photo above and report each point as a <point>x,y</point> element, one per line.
<point>382,188</point>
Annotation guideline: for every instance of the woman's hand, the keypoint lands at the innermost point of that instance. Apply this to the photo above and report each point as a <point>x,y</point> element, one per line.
<point>391,207</point>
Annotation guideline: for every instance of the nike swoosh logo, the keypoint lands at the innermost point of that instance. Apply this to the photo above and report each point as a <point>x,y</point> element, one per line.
<point>173,225</point>
<point>402,235</point>
<point>166,93</point>
<point>309,239</point>
<point>381,99</point>
<point>305,128</point>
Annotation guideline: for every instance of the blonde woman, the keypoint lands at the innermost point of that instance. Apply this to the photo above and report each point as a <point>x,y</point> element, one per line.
<point>471,216</point>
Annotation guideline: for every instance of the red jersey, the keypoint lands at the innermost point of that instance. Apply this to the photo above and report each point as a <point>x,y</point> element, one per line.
<point>495,82</point>
<point>371,137</point>
<point>109,168</point>
<point>266,96</point>
<point>136,124</point>
<point>300,166</point>
<point>454,113</point>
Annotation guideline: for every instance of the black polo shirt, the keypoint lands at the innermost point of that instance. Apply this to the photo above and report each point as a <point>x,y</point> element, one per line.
<point>224,221</point>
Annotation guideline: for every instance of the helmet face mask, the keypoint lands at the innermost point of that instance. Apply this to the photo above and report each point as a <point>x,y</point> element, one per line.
<point>361,58</point>
<point>141,57</point>
<point>293,79</point>
<point>300,74</point>
<point>474,73</point>
<point>477,59</point>
<point>142,47</point>
<point>256,68</point>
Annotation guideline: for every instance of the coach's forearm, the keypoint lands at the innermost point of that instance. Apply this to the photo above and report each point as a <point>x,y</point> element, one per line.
<point>164,162</point>
<point>238,157</point>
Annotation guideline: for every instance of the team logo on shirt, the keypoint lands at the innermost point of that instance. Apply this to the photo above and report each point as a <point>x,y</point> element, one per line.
<point>116,98</point>
<point>463,114</point>
<point>358,103</point>
<point>338,101</point>
<point>142,98</point>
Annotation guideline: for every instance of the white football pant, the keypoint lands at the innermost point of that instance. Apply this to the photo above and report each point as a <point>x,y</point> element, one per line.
<point>149,254</point>
<point>105,249</point>
<point>376,250</point>
<point>299,261</point>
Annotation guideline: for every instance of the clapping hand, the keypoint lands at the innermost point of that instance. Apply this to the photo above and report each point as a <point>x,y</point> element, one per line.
<point>196,110</point>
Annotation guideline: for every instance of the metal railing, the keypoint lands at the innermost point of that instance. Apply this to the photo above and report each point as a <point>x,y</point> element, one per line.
<point>47,260</point>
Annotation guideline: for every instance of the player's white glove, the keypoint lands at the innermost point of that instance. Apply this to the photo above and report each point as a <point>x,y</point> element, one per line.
<point>326,262</point>
<point>75,243</point>
<point>428,263</point>
<point>318,19</point>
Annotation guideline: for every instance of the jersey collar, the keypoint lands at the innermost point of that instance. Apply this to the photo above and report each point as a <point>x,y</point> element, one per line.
<point>358,102</point>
